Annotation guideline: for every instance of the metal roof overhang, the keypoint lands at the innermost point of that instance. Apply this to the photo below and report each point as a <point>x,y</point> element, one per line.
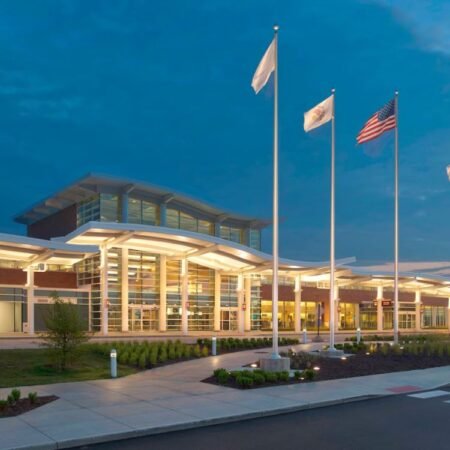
<point>92,184</point>
<point>208,251</point>
<point>29,251</point>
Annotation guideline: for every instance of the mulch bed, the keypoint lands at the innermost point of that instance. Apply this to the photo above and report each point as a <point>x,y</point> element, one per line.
<point>24,405</point>
<point>356,365</point>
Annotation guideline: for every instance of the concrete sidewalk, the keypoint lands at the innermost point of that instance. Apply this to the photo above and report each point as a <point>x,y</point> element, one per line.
<point>172,398</point>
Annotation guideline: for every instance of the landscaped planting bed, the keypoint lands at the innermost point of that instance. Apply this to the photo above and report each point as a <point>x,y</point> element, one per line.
<point>227,345</point>
<point>365,359</point>
<point>15,405</point>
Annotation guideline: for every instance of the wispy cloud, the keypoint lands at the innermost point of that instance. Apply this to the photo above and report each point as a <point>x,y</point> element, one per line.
<point>428,21</point>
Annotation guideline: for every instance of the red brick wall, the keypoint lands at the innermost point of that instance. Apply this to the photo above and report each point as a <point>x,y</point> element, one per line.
<point>58,224</point>
<point>402,296</point>
<point>61,280</point>
<point>434,301</point>
<point>13,276</point>
<point>357,295</point>
<point>285,293</point>
<point>56,279</point>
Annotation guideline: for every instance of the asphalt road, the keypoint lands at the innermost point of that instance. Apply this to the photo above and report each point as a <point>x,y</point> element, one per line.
<point>389,423</point>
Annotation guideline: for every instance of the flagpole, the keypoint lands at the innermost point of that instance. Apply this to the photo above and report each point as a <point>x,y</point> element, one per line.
<point>396,225</point>
<point>332,234</point>
<point>275,354</point>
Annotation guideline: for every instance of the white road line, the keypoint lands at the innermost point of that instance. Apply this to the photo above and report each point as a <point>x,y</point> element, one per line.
<point>430,394</point>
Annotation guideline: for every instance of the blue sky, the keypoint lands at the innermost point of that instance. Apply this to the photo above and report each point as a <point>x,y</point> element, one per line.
<point>160,91</point>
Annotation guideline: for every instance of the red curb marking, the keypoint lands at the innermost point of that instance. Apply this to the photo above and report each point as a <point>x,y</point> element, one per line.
<point>407,388</point>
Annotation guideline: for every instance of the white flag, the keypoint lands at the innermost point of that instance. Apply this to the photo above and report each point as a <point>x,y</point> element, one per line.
<point>264,69</point>
<point>448,171</point>
<point>320,114</point>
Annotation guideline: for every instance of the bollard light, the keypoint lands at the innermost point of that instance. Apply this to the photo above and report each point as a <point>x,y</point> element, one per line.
<point>113,360</point>
<point>214,346</point>
<point>305,336</point>
<point>358,335</point>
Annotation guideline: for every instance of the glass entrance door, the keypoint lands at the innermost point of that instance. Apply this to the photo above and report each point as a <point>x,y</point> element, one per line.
<point>143,318</point>
<point>228,319</point>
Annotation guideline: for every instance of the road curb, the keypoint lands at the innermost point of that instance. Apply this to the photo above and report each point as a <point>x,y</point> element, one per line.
<point>201,423</point>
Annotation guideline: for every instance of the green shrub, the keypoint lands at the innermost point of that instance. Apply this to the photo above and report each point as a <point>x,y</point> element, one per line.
<point>153,356</point>
<point>134,358</point>
<point>205,351</point>
<point>396,350</point>
<point>258,378</point>
<point>32,397</point>
<point>123,357</point>
<point>244,382</point>
<point>297,375</point>
<point>309,374</point>
<point>187,351</point>
<point>3,404</point>
<point>162,355</point>
<point>223,377</point>
<point>271,377</point>
<point>235,373</point>
<point>10,400</point>
<point>143,360</point>
<point>171,353</point>
<point>385,349</point>
<point>179,350</point>
<point>218,371</point>
<point>15,394</point>
<point>197,351</point>
<point>283,376</point>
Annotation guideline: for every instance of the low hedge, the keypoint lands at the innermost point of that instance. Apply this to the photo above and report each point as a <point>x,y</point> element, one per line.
<point>231,344</point>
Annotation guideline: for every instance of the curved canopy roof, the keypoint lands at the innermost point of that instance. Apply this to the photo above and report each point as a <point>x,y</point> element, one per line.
<point>209,251</point>
<point>29,251</point>
<point>94,183</point>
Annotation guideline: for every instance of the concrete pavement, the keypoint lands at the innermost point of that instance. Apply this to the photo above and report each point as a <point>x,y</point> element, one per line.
<point>172,398</point>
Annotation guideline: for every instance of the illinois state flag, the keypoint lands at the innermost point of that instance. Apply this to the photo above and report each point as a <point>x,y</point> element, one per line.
<point>264,69</point>
<point>319,115</point>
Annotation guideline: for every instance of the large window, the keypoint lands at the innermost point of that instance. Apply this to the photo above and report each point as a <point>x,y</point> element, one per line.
<point>109,208</point>
<point>347,316</point>
<point>201,298</point>
<point>255,239</point>
<point>12,309</point>
<point>255,304</point>
<point>142,211</point>
<point>143,278</point>
<point>173,274</point>
<point>184,221</point>
<point>434,316</point>
<point>231,233</point>
<point>368,316</point>
<point>88,210</point>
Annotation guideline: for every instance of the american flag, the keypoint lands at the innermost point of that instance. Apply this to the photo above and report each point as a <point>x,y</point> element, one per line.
<point>383,120</point>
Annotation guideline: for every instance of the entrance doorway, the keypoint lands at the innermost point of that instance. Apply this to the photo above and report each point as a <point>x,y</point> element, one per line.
<point>228,320</point>
<point>143,318</point>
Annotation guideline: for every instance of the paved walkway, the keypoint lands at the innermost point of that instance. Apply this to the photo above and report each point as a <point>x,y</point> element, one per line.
<point>171,398</point>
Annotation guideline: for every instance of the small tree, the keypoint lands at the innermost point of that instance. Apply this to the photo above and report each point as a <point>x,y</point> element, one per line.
<point>65,331</point>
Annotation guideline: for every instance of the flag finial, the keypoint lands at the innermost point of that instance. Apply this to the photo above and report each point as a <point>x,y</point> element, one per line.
<point>276,28</point>
<point>333,90</point>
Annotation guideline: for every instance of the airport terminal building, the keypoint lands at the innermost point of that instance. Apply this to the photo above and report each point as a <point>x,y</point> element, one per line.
<point>136,258</point>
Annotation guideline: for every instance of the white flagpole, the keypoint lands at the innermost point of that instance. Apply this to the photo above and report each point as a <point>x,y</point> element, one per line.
<point>396,225</point>
<point>275,354</point>
<point>332,221</point>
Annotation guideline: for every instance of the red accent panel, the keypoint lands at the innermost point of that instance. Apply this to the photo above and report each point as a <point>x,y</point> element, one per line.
<point>285,293</point>
<point>434,301</point>
<point>67,280</point>
<point>13,276</point>
<point>357,295</point>
<point>58,224</point>
<point>402,296</point>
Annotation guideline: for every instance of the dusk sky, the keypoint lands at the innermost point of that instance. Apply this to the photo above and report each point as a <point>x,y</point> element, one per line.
<point>160,92</point>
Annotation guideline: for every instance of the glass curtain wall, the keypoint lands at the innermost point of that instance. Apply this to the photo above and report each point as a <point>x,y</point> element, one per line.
<point>142,212</point>
<point>201,298</point>
<point>143,290</point>
<point>433,316</point>
<point>255,304</point>
<point>88,273</point>
<point>228,302</point>
<point>115,289</point>
<point>173,275</point>
<point>88,210</point>
<point>368,316</point>
<point>183,221</point>
<point>12,309</point>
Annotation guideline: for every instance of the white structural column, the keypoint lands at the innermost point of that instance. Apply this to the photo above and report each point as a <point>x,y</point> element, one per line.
<point>104,288</point>
<point>357,318</point>
<point>217,292</point>
<point>240,295</point>
<point>248,303</point>
<point>162,293</point>
<point>297,304</point>
<point>184,296</point>
<point>379,308</point>
<point>30,299</point>
<point>448,315</point>
<point>336,307</point>
<point>418,305</point>
<point>124,289</point>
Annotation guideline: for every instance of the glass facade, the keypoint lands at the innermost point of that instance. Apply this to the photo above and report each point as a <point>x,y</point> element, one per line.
<point>228,302</point>
<point>368,316</point>
<point>101,207</point>
<point>434,316</point>
<point>143,212</point>
<point>347,313</point>
<point>12,309</point>
<point>173,276</point>
<point>201,298</point>
<point>233,234</point>
<point>255,304</point>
